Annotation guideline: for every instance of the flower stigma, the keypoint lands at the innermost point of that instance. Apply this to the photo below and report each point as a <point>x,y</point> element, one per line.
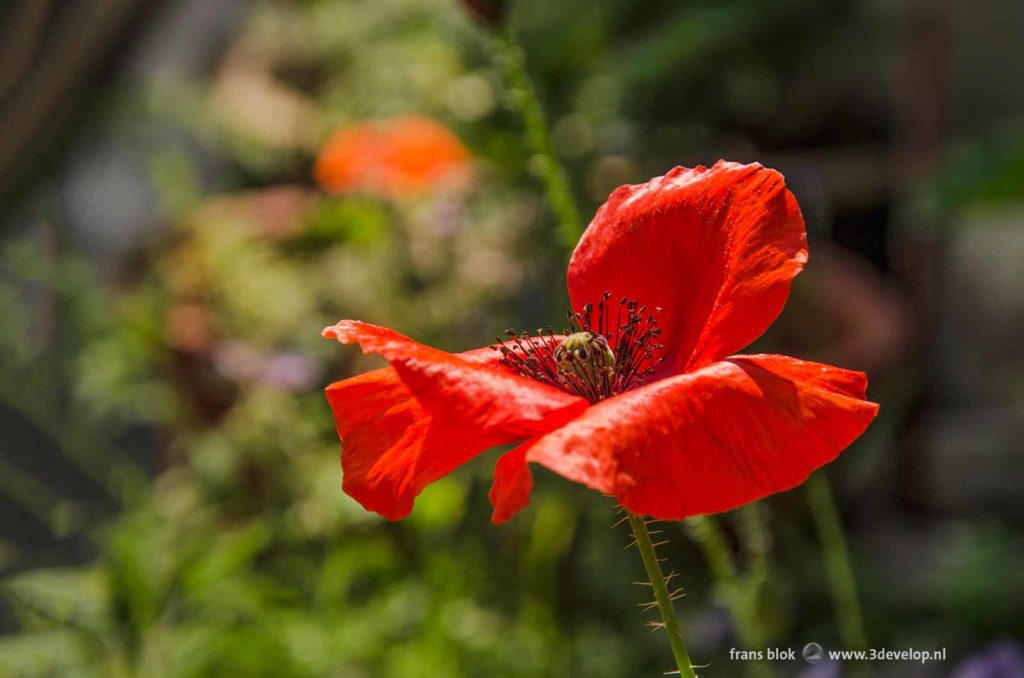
<point>605,350</point>
<point>586,356</point>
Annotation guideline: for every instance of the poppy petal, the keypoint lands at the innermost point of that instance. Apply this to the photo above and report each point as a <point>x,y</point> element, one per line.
<point>710,440</point>
<point>715,249</point>
<point>391,447</point>
<point>473,392</point>
<point>405,426</point>
<point>513,484</point>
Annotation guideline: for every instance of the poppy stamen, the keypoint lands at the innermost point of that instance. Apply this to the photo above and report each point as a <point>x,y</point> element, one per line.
<point>600,356</point>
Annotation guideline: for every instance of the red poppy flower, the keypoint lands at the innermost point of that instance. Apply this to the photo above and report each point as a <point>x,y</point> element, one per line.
<point>642,399</point>
<point>393,158</point>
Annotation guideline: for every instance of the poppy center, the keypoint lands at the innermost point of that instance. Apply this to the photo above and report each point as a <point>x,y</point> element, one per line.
<point>586,356</point>
<point>605,350</point>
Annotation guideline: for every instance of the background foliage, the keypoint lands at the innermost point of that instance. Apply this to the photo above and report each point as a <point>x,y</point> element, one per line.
<point>169,476</point>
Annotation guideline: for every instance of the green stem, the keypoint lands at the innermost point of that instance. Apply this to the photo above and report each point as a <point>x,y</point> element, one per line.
<point>754,536</point>
<point>708,534</point>
<point>837,561</point>
<point>661,594</point>
<point>739,593</point>
<point>552,172</point>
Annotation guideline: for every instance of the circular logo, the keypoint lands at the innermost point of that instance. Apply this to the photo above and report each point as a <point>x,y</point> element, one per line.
<point>813,653</point>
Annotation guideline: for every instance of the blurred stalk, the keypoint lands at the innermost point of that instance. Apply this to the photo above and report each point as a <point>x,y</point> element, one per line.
<point>841,581</point>
<point>662,597</point>
<point>740,594</point>
<point>754,535</point>
<point>119,478</point>
<point>79,40</point>
<point>29,22</point>
<point>527,104</point>
<point>31,494</point>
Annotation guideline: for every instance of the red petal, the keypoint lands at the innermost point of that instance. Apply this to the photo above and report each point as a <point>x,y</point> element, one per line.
<point>406,426</point>
<point>475,393</point>
<point>715,248</point>
<point>708,441</point>
<point>512,484</point>
<point>391,448</point>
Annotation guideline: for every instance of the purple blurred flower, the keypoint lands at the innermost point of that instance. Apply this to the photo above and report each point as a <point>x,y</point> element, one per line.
<point>826,669</point>
<point>448,217</point>
<point>282,370</point>
<point>290,371</point>
<point>1002,659</point>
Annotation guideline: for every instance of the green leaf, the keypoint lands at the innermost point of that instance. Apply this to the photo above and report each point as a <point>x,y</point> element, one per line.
<point>59,597</point>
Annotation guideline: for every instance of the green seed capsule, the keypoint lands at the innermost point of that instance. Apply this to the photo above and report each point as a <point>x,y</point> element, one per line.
<point>585,357</point>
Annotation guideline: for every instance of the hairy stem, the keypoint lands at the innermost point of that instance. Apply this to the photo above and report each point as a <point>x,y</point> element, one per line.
<point>527,104</point>
<point>661,594</point>
<point>841,581</point>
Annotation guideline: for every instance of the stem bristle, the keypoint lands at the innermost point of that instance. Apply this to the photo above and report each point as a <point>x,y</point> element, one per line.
<point>663,597</point>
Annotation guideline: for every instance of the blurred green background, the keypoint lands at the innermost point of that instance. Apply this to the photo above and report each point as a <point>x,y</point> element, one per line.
<point>170,500</point>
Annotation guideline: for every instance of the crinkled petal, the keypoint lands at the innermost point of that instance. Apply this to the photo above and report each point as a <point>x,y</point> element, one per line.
<point>391,447</point>
<point>472,393</point>
<point>715,248</point>
<point>706,441</point>
<point>405,426</point>
<point>512,485</point>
